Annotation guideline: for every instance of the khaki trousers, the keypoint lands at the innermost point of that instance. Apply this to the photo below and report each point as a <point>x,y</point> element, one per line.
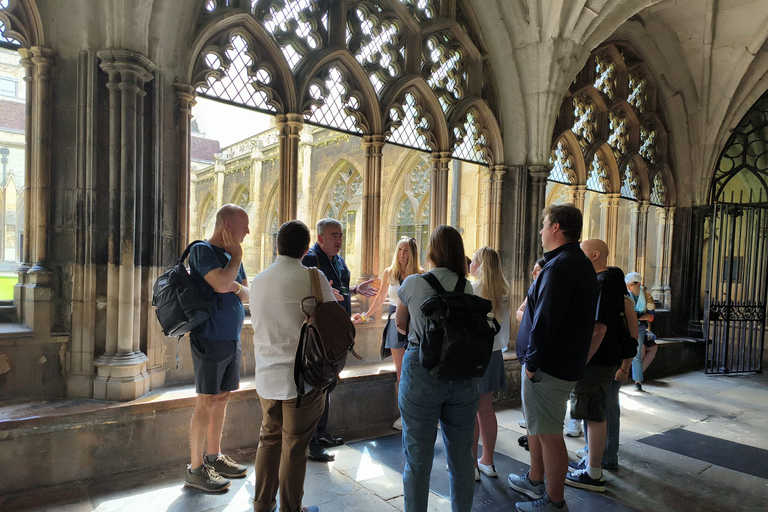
<point>281,458</point>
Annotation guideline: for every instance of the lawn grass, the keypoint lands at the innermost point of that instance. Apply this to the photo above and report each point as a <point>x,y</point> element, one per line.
<point>6,287</point>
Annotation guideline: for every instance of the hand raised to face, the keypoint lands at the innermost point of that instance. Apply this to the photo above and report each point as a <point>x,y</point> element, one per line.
<point>230,244</point>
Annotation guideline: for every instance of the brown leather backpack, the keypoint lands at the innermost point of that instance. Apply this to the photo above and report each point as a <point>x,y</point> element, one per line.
<point>327,336</point>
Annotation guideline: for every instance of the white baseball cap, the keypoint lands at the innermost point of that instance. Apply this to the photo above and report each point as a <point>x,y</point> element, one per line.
<point>633,277</point>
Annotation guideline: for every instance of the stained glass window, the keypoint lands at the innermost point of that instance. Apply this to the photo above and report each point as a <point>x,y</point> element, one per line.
<point>333,102</point>
<point>235,82</point>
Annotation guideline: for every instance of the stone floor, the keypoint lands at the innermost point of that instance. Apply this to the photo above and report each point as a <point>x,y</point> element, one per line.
<point>734,408</point>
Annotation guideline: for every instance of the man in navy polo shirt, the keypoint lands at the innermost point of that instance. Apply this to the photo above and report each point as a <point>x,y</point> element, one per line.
<point>325,256</point>
<point>216,269</point>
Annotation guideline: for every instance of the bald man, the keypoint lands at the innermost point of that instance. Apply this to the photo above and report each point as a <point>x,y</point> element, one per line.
<point>590,395</point>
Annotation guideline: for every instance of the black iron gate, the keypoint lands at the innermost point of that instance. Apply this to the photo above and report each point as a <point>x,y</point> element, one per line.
<point>737,284</point>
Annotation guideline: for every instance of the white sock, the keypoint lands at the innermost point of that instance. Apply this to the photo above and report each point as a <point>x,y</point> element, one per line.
<point>594,473</point>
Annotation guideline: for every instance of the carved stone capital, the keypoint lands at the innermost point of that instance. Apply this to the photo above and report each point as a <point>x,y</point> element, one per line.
<point>133,67</point>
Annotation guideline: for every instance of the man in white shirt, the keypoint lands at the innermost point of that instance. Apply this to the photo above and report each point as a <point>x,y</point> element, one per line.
<point>276,294</point>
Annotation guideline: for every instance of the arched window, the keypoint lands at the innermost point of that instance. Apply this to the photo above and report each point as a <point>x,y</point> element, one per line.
<point>344,202</point>
<point>411,217</point>
<point>610,159</point>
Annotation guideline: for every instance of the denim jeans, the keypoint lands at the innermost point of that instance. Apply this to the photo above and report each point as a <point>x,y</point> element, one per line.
<point>637,362</point>
<point>424,400</point>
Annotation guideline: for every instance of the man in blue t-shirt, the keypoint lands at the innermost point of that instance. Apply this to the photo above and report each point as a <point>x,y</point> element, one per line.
<point>216,269</point>
<point>325,256</point>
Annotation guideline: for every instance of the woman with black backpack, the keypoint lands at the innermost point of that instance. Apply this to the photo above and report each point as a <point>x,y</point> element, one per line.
<point>424,399</point>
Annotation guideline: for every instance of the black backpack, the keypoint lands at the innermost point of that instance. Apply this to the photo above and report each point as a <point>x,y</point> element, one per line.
<point>179,306</point>
<point>327,337</point>
<point>628,344</point>
<point>458,337</point>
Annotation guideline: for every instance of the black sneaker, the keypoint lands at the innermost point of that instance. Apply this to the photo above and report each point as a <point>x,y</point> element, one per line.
<point>582,480</point>
<point>638,386</point>
<point>206,479</point>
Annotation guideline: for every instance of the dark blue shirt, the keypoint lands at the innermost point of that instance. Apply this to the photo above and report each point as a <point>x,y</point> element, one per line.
<point>336,271</point>
<point>557,325</point>
<point>227,313</point>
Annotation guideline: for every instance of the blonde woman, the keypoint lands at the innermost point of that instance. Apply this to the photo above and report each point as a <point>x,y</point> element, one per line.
<point>405,262</point>
<point>490,284</point>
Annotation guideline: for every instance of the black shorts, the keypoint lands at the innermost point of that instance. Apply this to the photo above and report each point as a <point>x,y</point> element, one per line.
<point>589,395</point>
<point>216,363</point>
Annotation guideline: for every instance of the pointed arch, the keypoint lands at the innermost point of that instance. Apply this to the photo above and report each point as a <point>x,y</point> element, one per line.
<point>566,149</point>
<point>663,174</point>
<point>215,38</point>
<point>487,136</point>
<point>360,97</point>
<point>600,159</point>
<point>394,96</point>
<point>640,169</point>
<point>22,22</point>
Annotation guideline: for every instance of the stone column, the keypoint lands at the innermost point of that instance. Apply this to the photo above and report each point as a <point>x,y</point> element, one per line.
<point>372,147</point>
<point>692,249</point>
<point>577,195</point>
<point>662,219</point>
<point>494,224</point>
<point>484,205</point>
<point>666,252</point>
<point>638,228</point>
<point>80,376</point>
<point>122,373</point>
<point>218,179</point>
<point>185,94</point>
<point>438,189</point>
<point>20,289</point>
<point>609,223</point>
<point>538,197</point>
<point>289,131</point>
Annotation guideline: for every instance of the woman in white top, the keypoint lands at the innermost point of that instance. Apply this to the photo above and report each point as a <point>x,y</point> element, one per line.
<point>405,262</point>
<point>490,284</point>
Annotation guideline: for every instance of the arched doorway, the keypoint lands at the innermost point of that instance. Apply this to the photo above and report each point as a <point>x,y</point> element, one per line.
<point>736,244</point>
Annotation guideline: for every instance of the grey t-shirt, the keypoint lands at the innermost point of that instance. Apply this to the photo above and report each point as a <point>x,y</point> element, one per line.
<point>415,289</point>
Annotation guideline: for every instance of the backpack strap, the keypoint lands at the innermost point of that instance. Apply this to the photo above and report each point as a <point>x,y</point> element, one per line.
<point>430,278</point>
<point>317,291</point>
<point>434,283</point>
<point>298,375</point>
<point>189,247</point>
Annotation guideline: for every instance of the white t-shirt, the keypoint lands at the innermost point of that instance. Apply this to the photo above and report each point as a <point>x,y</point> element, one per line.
<point>276,295</point>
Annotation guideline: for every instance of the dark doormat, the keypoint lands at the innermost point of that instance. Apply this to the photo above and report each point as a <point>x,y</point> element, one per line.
<point>491,494</point>
<point>738,457</point>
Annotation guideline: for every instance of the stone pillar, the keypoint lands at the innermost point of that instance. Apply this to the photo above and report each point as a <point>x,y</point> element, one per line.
<point>484,205</point>
<point>609,223</point>
<point>307,196</point>
<point>666,252</point>
<point>662,219</point>
<point>494,223</point>
<point>438,189</point>
<point>537,201</point>
<point>81,349</point>
<point>638,229</point>
<point>185,94</point>
<point>257,208</point>
<point>218,179</point>
<point>289,131</point>
<point>577,195</point>
<point>691,247</point>
<point>33,294</point>
<point>372,147</point>
<point>122,369</point>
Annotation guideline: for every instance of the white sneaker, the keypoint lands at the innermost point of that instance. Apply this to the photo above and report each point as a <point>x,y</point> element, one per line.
<point>398,424</point>
<point>477,475</point>
<point>573,429</point>
<point>522,423</point>
<point>582,452</point>
<point>487,469</point>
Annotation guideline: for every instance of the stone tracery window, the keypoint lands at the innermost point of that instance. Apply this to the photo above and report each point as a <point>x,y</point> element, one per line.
<point>412,214</point>
<point>562,167</point>
<point>231,76</point>
<point>470,141</point>
<point>618,132</point>
<point>409,127</point>
<point>443,68</point>
<point>374,38</point>
<point>648,143</point>
<point>605,72</point>
<point>637,92</point>
<point>598,177</point>
<point>583,113</point>
<point>332,102</point>
<point>629,182</point>
<point>422,10</point>
<point>299,26</point>
<point>658,192</point>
